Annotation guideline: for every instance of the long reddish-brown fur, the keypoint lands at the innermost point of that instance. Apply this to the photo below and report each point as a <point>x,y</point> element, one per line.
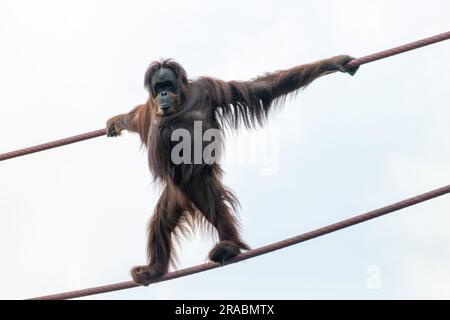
<point>194,192</point>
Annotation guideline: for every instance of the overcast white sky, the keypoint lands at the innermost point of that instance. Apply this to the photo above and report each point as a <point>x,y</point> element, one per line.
<point>76,216</point>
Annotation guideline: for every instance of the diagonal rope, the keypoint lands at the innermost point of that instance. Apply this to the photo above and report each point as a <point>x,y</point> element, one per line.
<point>259,251</point>
<point>52,144</point>
<point>400,49</point>
<point>353,63</point>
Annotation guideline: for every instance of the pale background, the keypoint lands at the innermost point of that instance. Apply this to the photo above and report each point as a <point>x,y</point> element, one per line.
<point>76,216</point>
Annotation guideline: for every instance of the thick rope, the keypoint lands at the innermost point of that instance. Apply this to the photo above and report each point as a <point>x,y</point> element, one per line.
<point>406,47</point>
<point>353,63</point>
<point>259,251</point>
<point>52,144</point>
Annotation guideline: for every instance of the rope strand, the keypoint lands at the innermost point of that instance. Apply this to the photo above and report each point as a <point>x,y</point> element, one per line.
<point>52,144</point>
<point>355,62</point>
<point>400,49</point>
<point>259,251</point>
